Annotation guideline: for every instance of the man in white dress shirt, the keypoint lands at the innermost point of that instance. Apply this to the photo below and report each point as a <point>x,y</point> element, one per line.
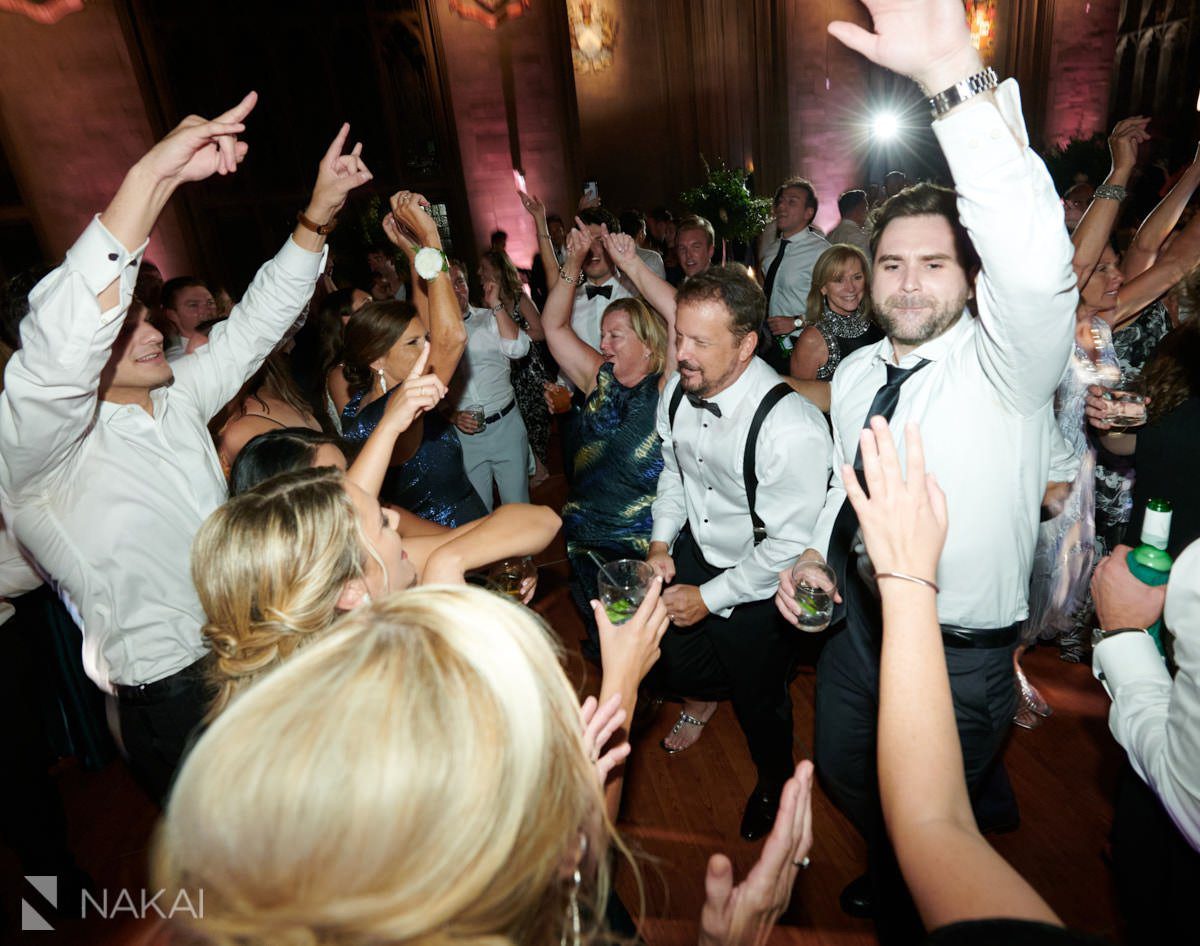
<point>720,547</point>
<point>107,469</point>
<point>786,266</point>
<point>1156,719</point>
<point>980,386</point>
<point>601,283</point>
<point>498,452</point>
<point>852,228</point>
<point>633,224</point>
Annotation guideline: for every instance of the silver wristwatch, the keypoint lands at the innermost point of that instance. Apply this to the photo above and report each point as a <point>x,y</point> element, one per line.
<point>1099,636</point>
<point>962,90</point>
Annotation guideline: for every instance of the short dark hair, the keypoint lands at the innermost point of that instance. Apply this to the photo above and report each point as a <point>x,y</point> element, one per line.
<point>851,200</point>
<point>632,222</point>
<point>597,216</point>
<point>273,453</point>
<point>733,287</point>
<point>172,287</point>
<point>662,214</point>
<point>799,183</point>
<point>553,218</point>
<point>925,200</point>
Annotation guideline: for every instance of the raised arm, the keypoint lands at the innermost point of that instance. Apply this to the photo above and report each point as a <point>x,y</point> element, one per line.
<point>578,360</point>
<point>1092,233</point>
<point>1172,265</point>
<point>1148,240</point>
<point>513,529</point>
<point>447,334</point>
<point>278,294</point>
<point>952,872</point>
<point>659,293</point>
<point>537,210</point>
<point>78,310</point>
<point>420,392</point>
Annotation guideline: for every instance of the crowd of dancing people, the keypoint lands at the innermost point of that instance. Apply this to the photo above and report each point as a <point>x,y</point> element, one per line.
<point>964,421</point>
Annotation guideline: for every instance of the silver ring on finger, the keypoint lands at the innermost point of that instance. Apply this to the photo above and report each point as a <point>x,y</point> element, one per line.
<point>802,864</point>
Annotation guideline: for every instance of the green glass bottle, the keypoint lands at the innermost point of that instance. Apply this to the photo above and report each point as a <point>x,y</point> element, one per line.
<point>1149,562</point>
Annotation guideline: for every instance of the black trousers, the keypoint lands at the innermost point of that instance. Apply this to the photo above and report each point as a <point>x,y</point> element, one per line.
<point>745,658</point>
<point>847,717</point>
<point>158,723</point>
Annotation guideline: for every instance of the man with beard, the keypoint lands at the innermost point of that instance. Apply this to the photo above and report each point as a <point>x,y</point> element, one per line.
<point>980,384</point>
<point>745,468</point>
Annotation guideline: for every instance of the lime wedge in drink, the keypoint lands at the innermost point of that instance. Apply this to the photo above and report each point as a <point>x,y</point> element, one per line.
<point>620,610</point>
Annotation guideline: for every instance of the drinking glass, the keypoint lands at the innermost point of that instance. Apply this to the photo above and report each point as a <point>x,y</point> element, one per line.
<point>506,577</point>
<point>622,586</point>
<point>1127,407</point>
<point>476,412</point>
<point>815,585</point>
<point>560,399</point>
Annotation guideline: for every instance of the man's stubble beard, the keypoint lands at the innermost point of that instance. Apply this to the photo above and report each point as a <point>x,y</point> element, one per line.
<point>942,316</point>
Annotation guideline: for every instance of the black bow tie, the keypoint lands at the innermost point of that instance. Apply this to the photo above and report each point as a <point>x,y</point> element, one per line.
<point>593,291</point>
<point>699,402</point>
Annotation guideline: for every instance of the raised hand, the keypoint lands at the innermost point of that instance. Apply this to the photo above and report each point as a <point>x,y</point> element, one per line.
<point>337,175</point>
<point>745,915</point>
<point>534,207</point>
<point>198,148</point>
<point>1123,143</point>
<point>411,213</point>
<point>903,520</point>
<point>621,248</point>
<point>926,40</point>
<point>579,245</point>
<point>400,237</point>
<point>491,293</point>
<point>420,393</point>
<point>599,724</point>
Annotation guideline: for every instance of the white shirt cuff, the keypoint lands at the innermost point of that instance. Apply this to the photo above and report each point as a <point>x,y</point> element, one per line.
<point>99,257</point>
<point>984,137</point>
<point>1128,658</point>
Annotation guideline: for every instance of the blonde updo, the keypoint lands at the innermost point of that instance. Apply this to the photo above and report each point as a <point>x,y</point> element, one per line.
<point>417,775</point>
<point>269,566</point>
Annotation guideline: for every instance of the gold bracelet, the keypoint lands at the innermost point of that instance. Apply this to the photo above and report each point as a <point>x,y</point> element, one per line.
<point>913,578</point>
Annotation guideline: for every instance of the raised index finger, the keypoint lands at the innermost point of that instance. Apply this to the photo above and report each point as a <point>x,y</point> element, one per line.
<point>241,110</point>
<point>418,369</point>
<point>334,150</point>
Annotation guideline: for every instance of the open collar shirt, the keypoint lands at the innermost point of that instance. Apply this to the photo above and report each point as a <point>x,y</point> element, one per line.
<point>106,497</point>
<point>985,403</point>
<point>702,484</point>
<point>487,361</point>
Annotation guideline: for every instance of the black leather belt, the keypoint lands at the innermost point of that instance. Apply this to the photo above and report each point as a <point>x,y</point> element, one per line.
<point>179,682</point>
<point>495,417</point>
<point>982,640</point>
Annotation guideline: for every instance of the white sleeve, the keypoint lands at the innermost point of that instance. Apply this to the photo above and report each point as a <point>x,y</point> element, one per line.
<point>670,505</point>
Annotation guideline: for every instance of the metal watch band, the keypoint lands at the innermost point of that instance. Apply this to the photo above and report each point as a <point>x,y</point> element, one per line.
<point>966,88</point>
<point>1099,635</point>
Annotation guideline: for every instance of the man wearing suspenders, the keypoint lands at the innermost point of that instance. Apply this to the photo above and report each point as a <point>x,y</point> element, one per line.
<point>745,469</point>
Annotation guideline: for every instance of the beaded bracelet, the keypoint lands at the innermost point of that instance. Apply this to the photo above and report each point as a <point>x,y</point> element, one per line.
<point>1110,192</point>
<point>912,578</point>
<point>570,280</point>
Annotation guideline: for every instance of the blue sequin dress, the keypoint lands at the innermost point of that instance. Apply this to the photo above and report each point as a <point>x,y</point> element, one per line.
<point>432,484</point>
<point>617,457</point>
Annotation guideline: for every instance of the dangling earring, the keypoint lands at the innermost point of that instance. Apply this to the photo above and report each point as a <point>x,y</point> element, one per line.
<point>572,920</point>
<point>382,382</point>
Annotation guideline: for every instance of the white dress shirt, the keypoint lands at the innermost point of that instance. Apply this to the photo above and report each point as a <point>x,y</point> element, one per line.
<point>1157,720</point>
<point>486,362</point>
<point>847,231</point>
<point>106,497</point>
<point>789,291</point>
<point>702,484</point>
<point>985,404</point>
<point>587,313</point>
<point>16,574</point>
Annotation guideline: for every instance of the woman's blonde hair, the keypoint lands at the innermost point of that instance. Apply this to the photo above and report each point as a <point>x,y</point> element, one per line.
<point>269,566</point>
<point>417,775</point>
<point>648,326</point>
<point>831,265</point>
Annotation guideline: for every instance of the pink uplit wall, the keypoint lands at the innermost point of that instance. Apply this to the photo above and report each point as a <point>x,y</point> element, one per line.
<point>826,141</point>
<point>73,122</point>
<point>475,78</point>
<point>1084,42</point>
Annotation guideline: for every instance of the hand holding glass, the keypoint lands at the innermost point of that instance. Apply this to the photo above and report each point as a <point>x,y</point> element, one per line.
<point>815,586</point>
<point>507,576</point>
<point>1127,407</point>
<point>622,585</point>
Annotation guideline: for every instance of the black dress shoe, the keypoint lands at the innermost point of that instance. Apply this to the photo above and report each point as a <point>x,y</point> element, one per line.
<point>761,807</point>
<point>855,898</point>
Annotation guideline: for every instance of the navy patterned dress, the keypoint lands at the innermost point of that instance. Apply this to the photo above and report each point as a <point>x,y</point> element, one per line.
<point>618,457</point>
<point>432,484</point>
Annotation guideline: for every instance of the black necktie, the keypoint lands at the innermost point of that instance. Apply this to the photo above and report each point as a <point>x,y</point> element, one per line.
<point>846,524</point>
<point>699,402</point>
<point>593,291</point>
<point>769,282</point>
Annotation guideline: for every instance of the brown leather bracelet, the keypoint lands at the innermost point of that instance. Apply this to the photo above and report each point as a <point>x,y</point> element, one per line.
<point>321,229</point>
